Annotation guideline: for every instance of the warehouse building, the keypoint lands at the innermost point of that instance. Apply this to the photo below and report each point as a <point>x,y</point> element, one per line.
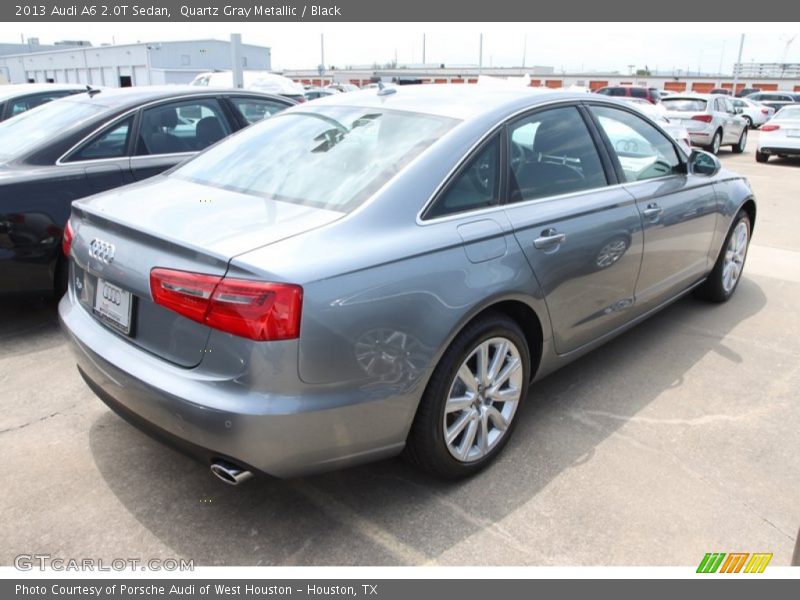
<point>152,63</point>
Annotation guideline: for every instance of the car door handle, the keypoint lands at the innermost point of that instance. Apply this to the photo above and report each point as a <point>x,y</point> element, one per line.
<point>652,210</point>
<point>549,237</point>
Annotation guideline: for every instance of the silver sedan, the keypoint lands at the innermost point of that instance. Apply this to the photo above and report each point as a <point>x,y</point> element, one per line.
<point>389,271</point>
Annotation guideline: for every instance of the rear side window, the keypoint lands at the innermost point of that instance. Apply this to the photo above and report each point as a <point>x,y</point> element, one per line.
<point>684,104</point>
<point>112,143</point>
<point>476,186</point>
<point>255,109</point>
<point>643,151</point>
<point>551,153</point>
<point>638,93</point>
<point>187,126</point>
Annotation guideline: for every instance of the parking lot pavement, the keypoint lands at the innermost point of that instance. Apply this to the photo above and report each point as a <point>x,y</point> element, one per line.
<point>676,439</point>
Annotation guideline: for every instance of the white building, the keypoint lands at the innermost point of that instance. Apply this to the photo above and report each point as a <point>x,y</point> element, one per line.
<point>152,63</point>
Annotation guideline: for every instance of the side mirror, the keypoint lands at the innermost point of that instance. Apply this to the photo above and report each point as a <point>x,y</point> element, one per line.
<point>704,163</point>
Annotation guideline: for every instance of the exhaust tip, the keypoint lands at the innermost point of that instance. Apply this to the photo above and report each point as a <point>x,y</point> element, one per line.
<point>230,474</point>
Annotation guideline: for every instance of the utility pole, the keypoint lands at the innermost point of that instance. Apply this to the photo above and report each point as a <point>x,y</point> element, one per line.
<point>236,60</point>
<point>423,48</point>
<point>480,55</point>
<point>524,49</point>
<point>322,51</point>
<point>738,62</point>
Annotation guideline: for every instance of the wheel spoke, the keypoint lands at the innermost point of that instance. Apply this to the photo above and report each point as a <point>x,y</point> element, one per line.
<point>497,418</point>
<point>497,361</point>
<point>483,442</point>
<point>465,375</point>
<point>513,365</point>
<point>458,427</point>
<point>483,363</point>
<point>509,394</point>
<point>469,438</point>
<point>459,403</point>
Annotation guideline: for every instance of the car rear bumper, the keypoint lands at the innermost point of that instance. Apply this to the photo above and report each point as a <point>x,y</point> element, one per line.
<point>701,138</point>
<point>788,150</point>
<point>210,418</point>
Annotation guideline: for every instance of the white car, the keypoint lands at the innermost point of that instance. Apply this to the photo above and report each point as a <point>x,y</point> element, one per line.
<point>781,135</point>
<point>754,113</point>
<point>260,81</point>
<point>658,114</point>
<point>711,119</point>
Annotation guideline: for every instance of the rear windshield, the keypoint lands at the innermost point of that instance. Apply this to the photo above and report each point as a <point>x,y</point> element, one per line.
<point>26,131</point>
<point>684,104</point>
<point>788,112</point>
<point>330,157</point>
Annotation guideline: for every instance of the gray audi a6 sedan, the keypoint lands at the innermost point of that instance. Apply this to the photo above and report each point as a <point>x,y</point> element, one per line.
<point>388,271</point>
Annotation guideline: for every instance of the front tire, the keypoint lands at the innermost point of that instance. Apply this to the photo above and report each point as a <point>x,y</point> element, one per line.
<point>467,413</point>
<point>724,278</point>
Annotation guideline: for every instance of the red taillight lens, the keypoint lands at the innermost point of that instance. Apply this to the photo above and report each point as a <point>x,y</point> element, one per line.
<point>770,127</point>
<point>703,118</point>
<point>764,111</point>
<point>66,240</point>
<point>253,309</point>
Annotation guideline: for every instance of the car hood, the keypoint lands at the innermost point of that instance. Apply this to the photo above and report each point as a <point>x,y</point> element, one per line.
<point>215,221</point>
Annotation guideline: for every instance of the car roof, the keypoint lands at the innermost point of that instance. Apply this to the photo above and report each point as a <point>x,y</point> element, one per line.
<point>462,102</point>
<point>133,96</point>
<point>22,89</point>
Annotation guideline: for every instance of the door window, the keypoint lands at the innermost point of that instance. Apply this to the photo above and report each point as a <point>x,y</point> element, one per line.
<point>643,151</point>
<point>178,127</point>
<point>551,153</point>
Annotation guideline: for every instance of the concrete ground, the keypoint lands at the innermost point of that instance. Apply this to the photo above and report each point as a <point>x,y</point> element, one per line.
<point>676,439</point>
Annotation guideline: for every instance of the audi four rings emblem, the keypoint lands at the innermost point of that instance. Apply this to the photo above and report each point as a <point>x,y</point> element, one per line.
<point>113,296</point>
<point>102,251</point>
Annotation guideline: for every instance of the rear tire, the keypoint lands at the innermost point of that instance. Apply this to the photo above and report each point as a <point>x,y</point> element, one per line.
<point>477,411</point>
<point>716,141</point>
<point>724,278</point>
<point>749,121</point>
<point>761,157</point>
<point>739,147</point>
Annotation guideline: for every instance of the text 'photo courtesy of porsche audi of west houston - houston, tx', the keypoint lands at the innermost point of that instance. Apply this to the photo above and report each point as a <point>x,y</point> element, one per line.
<point>388,271</point>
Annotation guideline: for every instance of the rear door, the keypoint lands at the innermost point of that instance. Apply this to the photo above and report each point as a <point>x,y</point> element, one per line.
<point>678,209</point>
<point>582,237</point>
<point>171,132</point>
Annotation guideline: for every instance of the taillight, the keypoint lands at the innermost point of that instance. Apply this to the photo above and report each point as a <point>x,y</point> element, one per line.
<point>770,127</point>
<point>253,309</point>
<point>703,118</point>
<point>764,111</point>
<point>66,240</point>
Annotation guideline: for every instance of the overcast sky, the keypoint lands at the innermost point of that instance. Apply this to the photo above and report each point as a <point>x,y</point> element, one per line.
<point>568,46</point>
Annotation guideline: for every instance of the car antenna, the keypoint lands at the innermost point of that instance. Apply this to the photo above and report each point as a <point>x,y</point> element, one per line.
<point>91,91</point>
<point>385,91</point>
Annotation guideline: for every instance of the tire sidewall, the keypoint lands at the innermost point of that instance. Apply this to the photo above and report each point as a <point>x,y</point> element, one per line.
<point>718,268</point>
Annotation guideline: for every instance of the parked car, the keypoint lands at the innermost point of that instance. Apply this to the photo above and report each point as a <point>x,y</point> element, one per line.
<point>657,113</point>
<point>94,141</point>
<point>776,100</point>
<point>711,120</point>
<point>15,99</point>
<point>342,87</point>
<point>781,135</point>
<point>746,92</point>
<point>313,93</point>
<point>754,113</point>
<point>467,241</point>
<point>256,81</point>
<point>650,94</point>
<point>722,91</point>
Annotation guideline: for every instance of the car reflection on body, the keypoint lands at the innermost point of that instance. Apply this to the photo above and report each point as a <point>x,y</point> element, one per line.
<point>388,271</point>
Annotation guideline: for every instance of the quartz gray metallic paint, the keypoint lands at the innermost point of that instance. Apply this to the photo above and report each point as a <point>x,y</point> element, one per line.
<point>385,291</point>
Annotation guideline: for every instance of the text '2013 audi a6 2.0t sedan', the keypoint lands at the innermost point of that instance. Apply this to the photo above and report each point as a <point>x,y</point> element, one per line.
<point>388,271</point>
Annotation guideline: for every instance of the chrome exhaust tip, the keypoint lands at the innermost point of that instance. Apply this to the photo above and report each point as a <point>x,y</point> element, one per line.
<point>230,474</point>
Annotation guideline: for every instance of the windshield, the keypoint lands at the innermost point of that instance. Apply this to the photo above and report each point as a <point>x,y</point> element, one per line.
<point>684,104</point>
<point>24,132</point>
<point>334,157</point>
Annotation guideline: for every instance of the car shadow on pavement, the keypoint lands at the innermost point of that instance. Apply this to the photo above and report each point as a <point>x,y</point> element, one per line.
<point>388,513</point>
<point>28,323</point>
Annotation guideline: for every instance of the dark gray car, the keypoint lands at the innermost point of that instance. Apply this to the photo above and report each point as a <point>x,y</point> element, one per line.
<point>91,142</point>
<point>389,271</point>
